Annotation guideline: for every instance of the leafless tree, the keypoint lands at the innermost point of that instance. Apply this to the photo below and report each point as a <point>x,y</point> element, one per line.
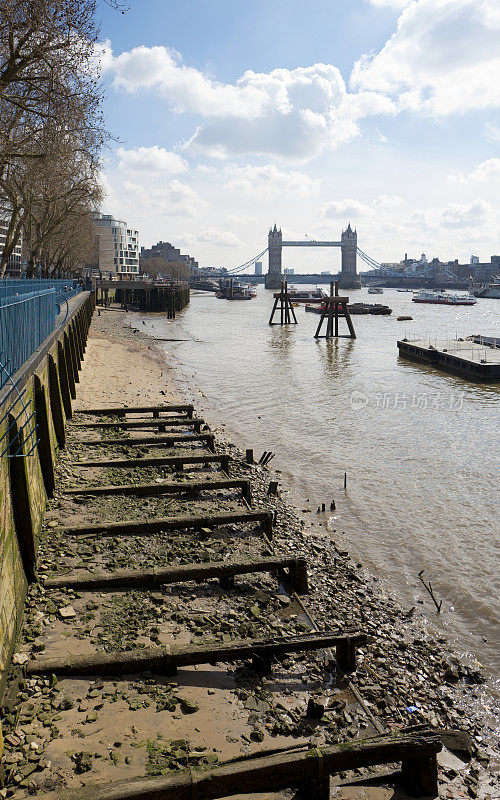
<point>51,126</point>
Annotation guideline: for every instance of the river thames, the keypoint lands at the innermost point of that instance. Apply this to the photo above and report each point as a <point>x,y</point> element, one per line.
<point>420,447</point>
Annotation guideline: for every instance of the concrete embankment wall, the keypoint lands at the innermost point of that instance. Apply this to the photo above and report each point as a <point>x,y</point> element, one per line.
<point>45,387</point>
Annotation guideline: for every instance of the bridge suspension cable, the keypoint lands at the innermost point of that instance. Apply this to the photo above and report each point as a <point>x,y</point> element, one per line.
<point>369,260</point>
<point>246,264</point>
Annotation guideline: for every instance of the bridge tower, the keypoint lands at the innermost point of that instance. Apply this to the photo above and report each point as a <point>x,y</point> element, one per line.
<point>349,278</point>
<point>275,246</point>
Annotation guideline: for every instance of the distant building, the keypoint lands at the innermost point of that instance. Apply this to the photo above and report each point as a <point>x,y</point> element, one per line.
<point>288,271</point>
<point>326,272</point>
<point>117,245</point>
<point>474,259</point>
<point>258,267</point>
<point>169,253</point>
<point>14,262</point>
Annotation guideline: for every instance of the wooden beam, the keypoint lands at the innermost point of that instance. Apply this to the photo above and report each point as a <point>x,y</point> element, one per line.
<point>150,578</point>
<point>272,773</point>
<point>174,461</point>
<point>160,423</point>
<point>147,527</point>
<point>123,410</point>
<point>167,659</point>
<point>168,440</point>
<point>167,487</point>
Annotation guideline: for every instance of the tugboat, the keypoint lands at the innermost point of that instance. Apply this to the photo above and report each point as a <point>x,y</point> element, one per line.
<point>375,290</point>
<point>297,295</point>
<point>355,308</point>
<point>235,291</point>
<point>442,298</point>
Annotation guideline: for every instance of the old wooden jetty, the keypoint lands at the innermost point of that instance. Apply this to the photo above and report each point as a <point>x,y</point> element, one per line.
<point>135,533</point>
<point>461,357</point>
<point>144,295</point>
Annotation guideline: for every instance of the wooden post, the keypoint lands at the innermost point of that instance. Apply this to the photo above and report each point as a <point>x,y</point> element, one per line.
<point>330,310</point>
<point>286,309</point>
<point>420,775</point>
<point>298,576</point>
<point>336,310</point>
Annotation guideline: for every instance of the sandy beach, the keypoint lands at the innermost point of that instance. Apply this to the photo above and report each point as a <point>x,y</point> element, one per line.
<point>134,726</point>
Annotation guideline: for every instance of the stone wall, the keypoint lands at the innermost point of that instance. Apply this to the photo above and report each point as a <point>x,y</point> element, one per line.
<point>45,387</point>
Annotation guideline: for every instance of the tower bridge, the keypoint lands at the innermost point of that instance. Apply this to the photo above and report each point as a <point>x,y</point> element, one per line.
<point>349,278</point>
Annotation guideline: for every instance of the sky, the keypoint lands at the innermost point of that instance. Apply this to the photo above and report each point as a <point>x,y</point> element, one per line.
<point>230,116</point>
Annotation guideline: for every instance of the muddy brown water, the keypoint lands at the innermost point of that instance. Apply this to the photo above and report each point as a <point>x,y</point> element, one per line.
<point>420,447</point>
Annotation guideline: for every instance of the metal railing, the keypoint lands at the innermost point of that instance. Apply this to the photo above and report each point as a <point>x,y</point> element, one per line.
<point>68,287</point>
<point>26,320</point>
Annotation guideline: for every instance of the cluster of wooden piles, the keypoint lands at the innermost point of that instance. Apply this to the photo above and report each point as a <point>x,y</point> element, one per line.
<point>169,442</point>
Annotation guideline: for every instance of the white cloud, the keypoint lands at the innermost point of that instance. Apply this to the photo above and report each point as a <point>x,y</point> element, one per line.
<point>485,171</point>
<point>457,215</point>
<point>240,219</point>
<point>345,209</point>
<point>441,59</point>
<point>170,199</point>
<point>151,159</point>
<point>268,181</point>
<point>211,236</point>
<point>290,113</point>
<point>388,201</point>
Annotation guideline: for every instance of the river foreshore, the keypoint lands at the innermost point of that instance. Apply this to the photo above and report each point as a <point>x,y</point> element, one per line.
<point>405,676</point>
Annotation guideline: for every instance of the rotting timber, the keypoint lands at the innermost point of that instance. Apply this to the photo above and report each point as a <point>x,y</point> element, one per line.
<point>146,296</point>
<point>216,636</point>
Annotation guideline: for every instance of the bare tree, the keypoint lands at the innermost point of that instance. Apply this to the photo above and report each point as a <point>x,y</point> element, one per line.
<point>51,126</point>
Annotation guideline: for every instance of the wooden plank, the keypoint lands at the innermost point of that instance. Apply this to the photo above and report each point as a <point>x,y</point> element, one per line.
<point>160,422</point>
<point>174,461</point>
<point>137,527</point>
<point>123,410</point>
<point>150,578</point>
<point>170,439</point>
<point>273,773</point>
<point>167,487</point>
<point>168,659</point>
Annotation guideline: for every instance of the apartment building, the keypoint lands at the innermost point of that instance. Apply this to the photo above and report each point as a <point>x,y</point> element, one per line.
<point>117,245</point>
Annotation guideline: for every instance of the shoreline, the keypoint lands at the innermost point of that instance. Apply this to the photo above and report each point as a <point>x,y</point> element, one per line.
<point>187,390</point>
<point>405,676</point>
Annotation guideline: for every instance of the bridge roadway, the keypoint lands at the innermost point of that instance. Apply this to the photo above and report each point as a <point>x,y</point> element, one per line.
<point>312,243</point>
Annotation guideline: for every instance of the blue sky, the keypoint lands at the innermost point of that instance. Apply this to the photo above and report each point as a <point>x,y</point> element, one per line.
<point>231,116</point>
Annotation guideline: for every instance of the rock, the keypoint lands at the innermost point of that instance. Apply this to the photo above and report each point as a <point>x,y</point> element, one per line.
<point>188,707</point>
<point>91,716</point>
<point>83,762</point>
<point>20,658</point>
<point>257,735</point>
<point>68,612</point>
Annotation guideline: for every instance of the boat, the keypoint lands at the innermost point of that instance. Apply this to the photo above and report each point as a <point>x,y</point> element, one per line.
<point>403,317</point>
<point>443,298</point>
<point>301,295</point>
<point>404,290</point>
<point>491,290</point>
<point>375,290</point>
<point>355,308</point>
<point>236,292</point>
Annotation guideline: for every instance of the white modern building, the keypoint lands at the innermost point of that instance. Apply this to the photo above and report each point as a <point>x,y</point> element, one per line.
<point>117,245</point>
<point>14,263</point>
